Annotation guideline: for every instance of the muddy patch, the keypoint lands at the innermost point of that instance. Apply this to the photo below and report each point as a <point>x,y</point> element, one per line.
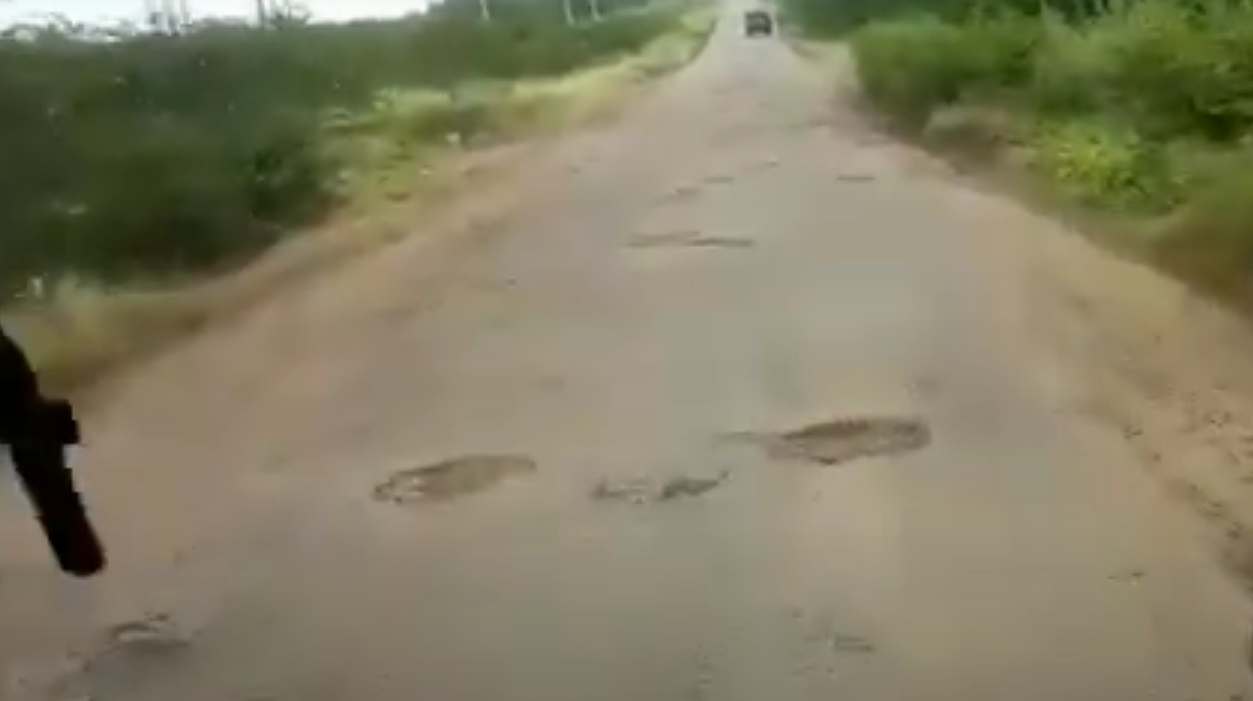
<point>646,491</point>
<point>450,479</point>
<point>688,239</point>
<point>843,440</point>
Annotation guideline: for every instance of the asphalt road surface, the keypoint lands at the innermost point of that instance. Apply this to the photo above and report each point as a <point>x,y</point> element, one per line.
<point>734,400</point>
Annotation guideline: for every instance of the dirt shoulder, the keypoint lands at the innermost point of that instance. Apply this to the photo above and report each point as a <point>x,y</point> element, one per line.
<point>1169,368</point>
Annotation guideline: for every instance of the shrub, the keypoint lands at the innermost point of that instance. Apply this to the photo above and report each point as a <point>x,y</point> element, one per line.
<point>912,66</point>
<point>1142,106</point>
<point>162,154</point>
<point>1104,164</point>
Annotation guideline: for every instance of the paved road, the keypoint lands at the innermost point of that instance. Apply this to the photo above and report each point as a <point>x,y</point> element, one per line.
<point>735,259</point>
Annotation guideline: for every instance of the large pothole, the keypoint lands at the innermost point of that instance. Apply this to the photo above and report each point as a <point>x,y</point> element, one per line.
<point>450,479</point>
<point>843,440</point>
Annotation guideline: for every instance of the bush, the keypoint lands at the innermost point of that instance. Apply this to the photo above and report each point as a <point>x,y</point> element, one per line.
<point>1104,164</point>
<point>912,66</point>
<point>1070,70</point>
<point>1139,106</point>
<point>159,154</point>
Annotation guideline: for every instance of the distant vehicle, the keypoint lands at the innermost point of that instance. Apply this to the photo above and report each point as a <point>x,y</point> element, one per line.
<point>758,22</point>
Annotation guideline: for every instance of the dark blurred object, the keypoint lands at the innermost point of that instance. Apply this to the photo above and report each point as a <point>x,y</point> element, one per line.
<point>37,430</point>
<point>758,22</point>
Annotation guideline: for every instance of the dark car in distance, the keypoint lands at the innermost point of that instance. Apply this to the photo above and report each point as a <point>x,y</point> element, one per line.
<point>758,23</point>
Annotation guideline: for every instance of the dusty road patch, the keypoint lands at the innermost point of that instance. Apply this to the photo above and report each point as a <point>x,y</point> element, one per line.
<point>450,479</point>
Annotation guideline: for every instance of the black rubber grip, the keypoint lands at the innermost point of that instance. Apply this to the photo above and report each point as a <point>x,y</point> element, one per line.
<point>61,513</point>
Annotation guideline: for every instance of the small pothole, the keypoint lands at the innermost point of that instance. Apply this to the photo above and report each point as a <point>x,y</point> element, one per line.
<point>680,192</point>
<point>450,479</point>
<point>842,440</point>
<point>719,178</point>
<point>856,644</point>
<point>855,177</point>
<point>153,633</point>
<point>662,240</point>
<point>646,491</point>
<point>689,239</point>
<point>720,242</point>
<point>154,639</point>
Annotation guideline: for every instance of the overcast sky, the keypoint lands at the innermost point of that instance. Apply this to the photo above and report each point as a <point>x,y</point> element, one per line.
<point>108,10</point>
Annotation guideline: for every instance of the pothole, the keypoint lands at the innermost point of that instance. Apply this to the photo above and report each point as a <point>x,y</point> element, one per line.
<point>647,491</point>
<point>450,479</point>
<point>662,240</point>
<point>154,640</point>
<point>719,178</point>
<point>842,440</point>
<point>688,239</point>
<point>153,634</point>
<point>680,192</point>
<point>855,177</point>
<point>720,242</point>
<point>855,644</point>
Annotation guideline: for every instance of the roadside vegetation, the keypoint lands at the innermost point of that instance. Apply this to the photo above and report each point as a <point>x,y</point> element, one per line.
<point>1142,109</point>
<point>152,161</point>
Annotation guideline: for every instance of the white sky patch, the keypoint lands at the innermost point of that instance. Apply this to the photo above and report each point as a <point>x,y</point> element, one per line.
<point>108,11</point>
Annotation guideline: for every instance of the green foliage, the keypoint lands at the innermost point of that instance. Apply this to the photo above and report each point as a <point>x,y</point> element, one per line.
<point>171,153</point>
<point>915,64</point>
<point>828,18</point>
<point>1142,106</point>
<point>1104,164</point>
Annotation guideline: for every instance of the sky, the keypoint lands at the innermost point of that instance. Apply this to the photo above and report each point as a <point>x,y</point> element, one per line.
<point>111,10</point>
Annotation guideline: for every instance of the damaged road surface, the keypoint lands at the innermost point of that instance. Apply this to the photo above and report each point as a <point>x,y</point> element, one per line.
<point>376,487</point>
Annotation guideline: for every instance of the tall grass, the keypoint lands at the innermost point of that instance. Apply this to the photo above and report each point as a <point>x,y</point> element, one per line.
<point>160,155</point>
<point>1144,107</point>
